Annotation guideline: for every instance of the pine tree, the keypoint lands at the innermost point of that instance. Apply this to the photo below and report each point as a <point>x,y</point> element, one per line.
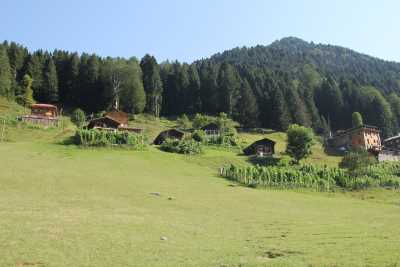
<point>296,106</point>
<point>5,75</point>
<point>280,114</point>
<point>208,88</point>
<point>133,97</point>
<point>247,108</point>
<point>152,84</point>
<point>50,83</point>
<point>35,71</point>
<point>194,99</point>
<point>228,88</point>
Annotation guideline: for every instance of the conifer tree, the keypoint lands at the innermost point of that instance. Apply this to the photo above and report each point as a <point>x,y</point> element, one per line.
<point>228,88</point>
<point>152,84</point>
<point>5,75</point>
<point>247,108</point>
<point>50,85</point>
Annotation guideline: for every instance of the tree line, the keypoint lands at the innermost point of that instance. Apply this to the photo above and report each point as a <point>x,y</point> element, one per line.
<point>255,95</point>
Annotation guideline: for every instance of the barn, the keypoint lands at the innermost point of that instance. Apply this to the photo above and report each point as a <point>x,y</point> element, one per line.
<point>168,134</point>
<point>263,147</point>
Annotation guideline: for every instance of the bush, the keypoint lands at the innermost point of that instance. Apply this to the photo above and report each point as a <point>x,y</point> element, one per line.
<point>300,141</point>
<point>200,120</point>
<point>183,122</point>
<point>199,136</point>
<point>356,159</point>
<point>103,138</point>
<point>186,146</point>
<point>78,117</point>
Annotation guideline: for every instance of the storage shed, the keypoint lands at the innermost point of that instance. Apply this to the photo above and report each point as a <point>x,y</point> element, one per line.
<point>263,147</point>
<point>168,134</point>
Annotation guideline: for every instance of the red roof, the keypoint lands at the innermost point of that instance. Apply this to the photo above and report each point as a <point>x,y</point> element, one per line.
<point>48,106</point>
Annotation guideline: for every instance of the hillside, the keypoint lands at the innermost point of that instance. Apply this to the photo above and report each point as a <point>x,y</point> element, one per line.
<point>292,54</point>
<point>66,206</point>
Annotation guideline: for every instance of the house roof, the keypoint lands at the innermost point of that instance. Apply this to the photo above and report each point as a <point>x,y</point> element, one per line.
<point>392,138</point>
<point>112,120</point>
<point>47,106</point>
<point>370,127</point>
<point>250,148</point>
<point>166,134</point>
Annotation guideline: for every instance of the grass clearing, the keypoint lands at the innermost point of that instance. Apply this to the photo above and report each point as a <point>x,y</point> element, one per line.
<point>67,206</point>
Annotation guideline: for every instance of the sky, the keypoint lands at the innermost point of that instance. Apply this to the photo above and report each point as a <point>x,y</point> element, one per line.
<point>187,30</point>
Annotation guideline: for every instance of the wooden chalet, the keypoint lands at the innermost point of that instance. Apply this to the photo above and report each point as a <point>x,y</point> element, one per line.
<point>114,120</point>
<point>44,114</point>
<point>263,147</point>
<point>168,134</point>
<point>365,136</point>
<point>211,129</point>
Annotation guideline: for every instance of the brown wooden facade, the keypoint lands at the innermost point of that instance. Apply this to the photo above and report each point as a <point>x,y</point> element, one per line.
<point>43,114</point>
<point>366,137</point>
<point>263,147</point>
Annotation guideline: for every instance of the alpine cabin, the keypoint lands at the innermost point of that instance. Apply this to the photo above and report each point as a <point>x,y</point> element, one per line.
<point>261,148</point>
<point>44,114</point>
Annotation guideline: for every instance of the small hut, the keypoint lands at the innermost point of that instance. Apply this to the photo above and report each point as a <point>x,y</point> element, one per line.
<point>168,134</point>
<point>211,129</point>
<point>44,114</point>
<point>263,147</point>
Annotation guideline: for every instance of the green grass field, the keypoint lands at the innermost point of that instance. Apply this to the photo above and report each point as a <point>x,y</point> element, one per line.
<point>66,206</point>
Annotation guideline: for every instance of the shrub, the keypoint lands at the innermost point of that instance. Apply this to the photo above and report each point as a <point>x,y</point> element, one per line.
<point>356,159</point>
<point>94,137</point>
<point>200,120</point>
<point>186,146</point>
<point>78,117</point>
<point>183,122</point>
<point>199,136</point>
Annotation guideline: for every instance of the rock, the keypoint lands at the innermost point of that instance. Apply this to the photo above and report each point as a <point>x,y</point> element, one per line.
<point>171,198</point>
<point>164,238</point>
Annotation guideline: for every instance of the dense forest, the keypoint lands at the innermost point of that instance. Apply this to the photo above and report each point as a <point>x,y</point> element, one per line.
<point>289,81</point>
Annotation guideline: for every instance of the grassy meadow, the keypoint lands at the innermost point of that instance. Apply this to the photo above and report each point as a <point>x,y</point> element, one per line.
<point>66,206</point>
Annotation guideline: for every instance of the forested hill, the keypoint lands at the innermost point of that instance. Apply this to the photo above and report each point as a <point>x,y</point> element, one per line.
<point>290,54</point>
<point>288,81</point>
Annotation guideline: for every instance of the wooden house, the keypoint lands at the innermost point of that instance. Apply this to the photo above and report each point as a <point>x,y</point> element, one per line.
<point>168,134</point>
<point>113,120</point>
<point>211,129</point>
<point>44,114</point>
<point>104,123</point>
<point>263,147</point>
<point>365,136</point>
<point>119,116</point>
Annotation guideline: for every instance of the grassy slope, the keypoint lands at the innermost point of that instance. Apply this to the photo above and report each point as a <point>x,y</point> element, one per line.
<point>65,206</point>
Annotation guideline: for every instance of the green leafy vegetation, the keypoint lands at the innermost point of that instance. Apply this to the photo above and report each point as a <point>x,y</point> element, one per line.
<point>185,146</point>
<point>78,117</point>
<point>300,141</point>
<point>102,138</point>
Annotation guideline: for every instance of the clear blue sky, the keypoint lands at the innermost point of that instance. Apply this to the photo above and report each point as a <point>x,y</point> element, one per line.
<point>187,29</point>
